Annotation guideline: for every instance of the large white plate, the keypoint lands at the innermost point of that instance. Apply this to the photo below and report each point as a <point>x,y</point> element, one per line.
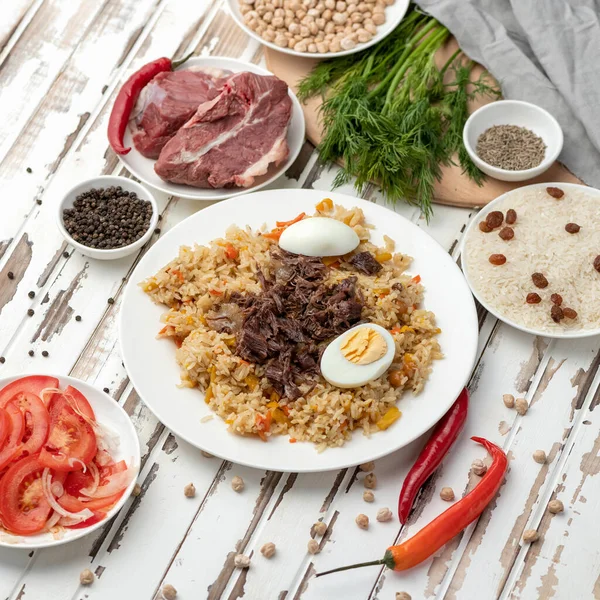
<point>143,168</point>
<point>112,416</point>
<point>474,224</point>
<point>152,368</point>
<point>393,15</point>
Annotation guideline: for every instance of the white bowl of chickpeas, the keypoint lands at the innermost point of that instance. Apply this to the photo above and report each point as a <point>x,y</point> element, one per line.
<point>318,28</point>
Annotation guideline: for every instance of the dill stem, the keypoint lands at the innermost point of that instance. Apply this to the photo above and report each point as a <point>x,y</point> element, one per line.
<point>449,62</point>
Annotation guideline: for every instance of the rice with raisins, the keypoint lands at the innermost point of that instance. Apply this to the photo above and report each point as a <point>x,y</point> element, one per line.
<point>200,277</point>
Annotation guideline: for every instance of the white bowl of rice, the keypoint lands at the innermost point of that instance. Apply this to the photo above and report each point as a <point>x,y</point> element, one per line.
<point>541,244</point>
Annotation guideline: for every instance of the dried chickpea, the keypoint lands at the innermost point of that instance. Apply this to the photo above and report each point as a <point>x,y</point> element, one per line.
<point>291,43</point>
<point>555,506</point>
<point>330,4</point>
<point>367,467</point>
<point>86,577</point>
<point>319,38</point>
<point>301,46</point>
<point>384,514</point>
<point>355,28</point>
<point>539,456</point>
<point>378,18</point>
<point>509,400</point>
<point>320,528</point>
<point>368,496</point>
<point>300,14</point>
<point>241,561</point>
<point>268,550</point>
<point>278,22</point>
<point>320,23</point>
<point>335,46</point>
<point>294,28</point>
<point>269,36</point>
<point>252,24</point>
<point>261,10</point>
<point>340,6</point>
<point>371,28</point>
<point>313,28</point>
<point>447,494</point>
<point>168,592</point>
<point>320,7</point>
<point>403,596</point>
<point>322,47</point>
<point>245,9</point>
<point>356,17</point>
<point>313,547</point>
<point>340,18</point>
<point>370,481</point>
<point>189,491</point>
<point>330,28</point>
<point>351,9</point>
<point>312,48</point>
<point>530,535</point>
<point>362,6</point>
<point>367,15</point>
<point>281,41</point>
<point>279,12</point>
<point>295,6</point>
<point>289,14</point>
<point>362,521</point>
<point>478,467</point>
<point>329,37</point>
<point>237,484</point>
<point>521,405</point>
<point>206,454</point>
<point>313,12</point>
<point>364,36</point>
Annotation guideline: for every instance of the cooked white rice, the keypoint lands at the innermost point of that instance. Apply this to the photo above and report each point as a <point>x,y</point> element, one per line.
<point>236,390</point>
<point>540,245</point>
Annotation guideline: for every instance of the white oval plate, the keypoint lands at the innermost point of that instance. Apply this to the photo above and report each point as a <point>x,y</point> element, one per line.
<point>110,414</point>
<point>393,15</point>
<point>143,168</point>
<point>155,374</point>
<point>567,333</point>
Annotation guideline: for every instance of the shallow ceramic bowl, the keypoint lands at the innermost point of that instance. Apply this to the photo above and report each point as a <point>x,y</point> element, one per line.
<point>105,181</point>
<point>522,114</point>
<point>113,417</point>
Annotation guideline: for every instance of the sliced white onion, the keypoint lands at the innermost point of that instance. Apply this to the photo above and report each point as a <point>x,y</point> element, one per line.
<point>107,439</point>
<point>86,513</point>
<point>53,520</point>
<point>103,458</point>
<point>48,391</point>
<point>116,483</point>
<point>57,489</point>
<point>67,521</point>
<point>73,463</point>
<point>73,404</point>
<point>91,489</point>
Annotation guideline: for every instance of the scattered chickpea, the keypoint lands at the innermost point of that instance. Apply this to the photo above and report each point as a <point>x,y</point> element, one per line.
<point>555,506</point>
<point>509,400</point>
<point>384,514</point>
<point>521,405</point>
<point>86,577</point>
<point>237,484</point>
<point>241,561</point>
<point>206,454</point>
<point>539,456</point>
<point>478,467</point>
<point>268,550</point>
<point>370,481</point>
<point>320,528</point>
<point>447,494</point>
<point>367,467</point>
<point>403,596</point>
<point>137,490</point>
<point>362,521</point>
<point>368,496</point>
<point>189,491</point>
<point>169,592</point>
<point>530,535</point>
<point>313,547</point>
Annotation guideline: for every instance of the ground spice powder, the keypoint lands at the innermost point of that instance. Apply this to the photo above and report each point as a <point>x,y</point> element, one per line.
<point>511,147</point>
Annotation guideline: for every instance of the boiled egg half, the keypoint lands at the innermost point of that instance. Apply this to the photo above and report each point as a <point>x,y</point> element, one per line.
<point>319,236</point>
<point>358,356</point>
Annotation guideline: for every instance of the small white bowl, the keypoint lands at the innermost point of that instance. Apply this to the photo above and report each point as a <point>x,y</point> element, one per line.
<point>522,114</point>
<point>108,414</point>
<point>105,181</point>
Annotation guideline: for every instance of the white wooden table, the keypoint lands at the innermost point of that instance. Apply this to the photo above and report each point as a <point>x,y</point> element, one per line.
<point>60,63</point>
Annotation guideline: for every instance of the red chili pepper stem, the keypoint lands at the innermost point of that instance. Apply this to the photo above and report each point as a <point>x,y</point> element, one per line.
<point>177,63</point>
<point>381,561</point>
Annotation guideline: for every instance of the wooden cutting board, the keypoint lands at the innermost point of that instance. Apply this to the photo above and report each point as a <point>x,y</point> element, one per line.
<point>454,189</point>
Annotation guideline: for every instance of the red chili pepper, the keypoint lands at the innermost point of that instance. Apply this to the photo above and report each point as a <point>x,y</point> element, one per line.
<point>127,96</point>
<point>450,523</point>
<point>440,442</point>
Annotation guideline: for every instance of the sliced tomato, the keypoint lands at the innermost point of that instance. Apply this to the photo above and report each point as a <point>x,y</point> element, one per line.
<point>37,422</point>
<point>71,442</point>
<point>95,518</point>
<point>17,428</point>
<point>23,505</point>
<point>34,384</point>
<point>76,481</point>
<point>107,471</point>
<point>5,426</point>
<point>74,396</point>
<point>73,504</point>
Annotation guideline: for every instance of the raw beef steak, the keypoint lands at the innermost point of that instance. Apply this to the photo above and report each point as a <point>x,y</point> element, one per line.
<point>167,102</point>
<point>233,138</point>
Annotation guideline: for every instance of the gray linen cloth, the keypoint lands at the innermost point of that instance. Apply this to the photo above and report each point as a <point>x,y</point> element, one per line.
<point>542,51</point>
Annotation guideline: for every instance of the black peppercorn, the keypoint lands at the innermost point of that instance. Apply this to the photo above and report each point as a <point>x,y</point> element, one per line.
<point>106,390</point>
<point>11,275</point>
<point>78,317</point>
<point>66,254</point>
<point>111,300</point>
<point>157,230</point>
<point>31,294</point>
<point>39,200</point>
<point>31,312</point>
<point>44,353</point>
<point>28,169</point>
<point>31,353</point>
<point>2,360</point>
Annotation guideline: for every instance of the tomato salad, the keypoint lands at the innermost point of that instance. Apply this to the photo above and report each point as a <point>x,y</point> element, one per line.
<point>56,467</point>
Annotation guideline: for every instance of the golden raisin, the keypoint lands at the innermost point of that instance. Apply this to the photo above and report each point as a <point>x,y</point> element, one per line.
<point>507,233</point>
<point>597,263</point>
<point>572,228</point>
<point>511,216</point>
<point>533,298</point>
<point>556,299</point>
<point>557,314</point>
<point>569,313</point>
<point>497,259</point>
<point>539,280</point>
<point>395,378</point>
<point>555,192</point>
<point>483,226</point>
<point>494,219</point>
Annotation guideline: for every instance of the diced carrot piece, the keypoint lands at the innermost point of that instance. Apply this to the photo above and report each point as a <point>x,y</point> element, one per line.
<point>179,275</point>
<point>231,252</point>
<point>325,205</point>
<point>416,279</point>
<point>178,342</point>
<point>273,235</point>
<point>288,223</point>
<point>215,292</point>
<point>293,440</point>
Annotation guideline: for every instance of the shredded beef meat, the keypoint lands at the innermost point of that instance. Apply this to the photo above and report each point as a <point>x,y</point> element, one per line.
<point>289,323</point>
<point>365,263</point>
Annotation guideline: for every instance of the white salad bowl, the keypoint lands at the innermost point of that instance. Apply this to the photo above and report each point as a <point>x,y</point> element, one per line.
<point>521,114</point>
<point>116,422</point>
<point>143,168</point>
<point>105,181</point>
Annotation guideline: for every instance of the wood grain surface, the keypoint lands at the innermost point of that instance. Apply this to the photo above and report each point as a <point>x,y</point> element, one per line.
<point>60,66</point>
<point>454,188</point>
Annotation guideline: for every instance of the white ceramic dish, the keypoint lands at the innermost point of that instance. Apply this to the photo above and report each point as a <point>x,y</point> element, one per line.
<point>522,114</point>
<point>102,182</point>
<point>393,14</point>
<point>155,374</point>
<point>474,224</point>
<point>110,414</point>
<point>143,168</point>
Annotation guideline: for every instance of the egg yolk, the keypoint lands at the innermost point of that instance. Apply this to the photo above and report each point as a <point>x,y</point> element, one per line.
<point>363,346</point>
